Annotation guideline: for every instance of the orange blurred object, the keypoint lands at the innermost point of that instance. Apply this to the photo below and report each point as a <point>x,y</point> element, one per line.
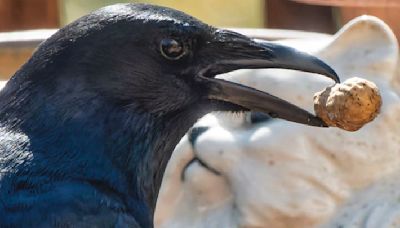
<point>387,10</point>
<point>353,3</point>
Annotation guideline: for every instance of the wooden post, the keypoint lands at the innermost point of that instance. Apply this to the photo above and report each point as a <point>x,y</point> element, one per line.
<point>28,14</point>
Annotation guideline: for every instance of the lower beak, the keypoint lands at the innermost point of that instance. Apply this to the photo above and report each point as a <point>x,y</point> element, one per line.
<point>236,51</point>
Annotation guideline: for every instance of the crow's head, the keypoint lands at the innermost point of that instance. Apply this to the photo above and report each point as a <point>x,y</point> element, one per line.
<point>104,101</point>
<point>159,60</point>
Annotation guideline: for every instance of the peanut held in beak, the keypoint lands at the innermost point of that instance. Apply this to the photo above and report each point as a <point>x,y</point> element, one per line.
<point>349,105</point>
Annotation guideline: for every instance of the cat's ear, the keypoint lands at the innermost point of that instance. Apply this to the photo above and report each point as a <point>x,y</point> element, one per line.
<point>365,46</point>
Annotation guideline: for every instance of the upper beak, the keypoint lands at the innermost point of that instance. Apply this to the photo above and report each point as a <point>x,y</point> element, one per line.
<point>234,51</point>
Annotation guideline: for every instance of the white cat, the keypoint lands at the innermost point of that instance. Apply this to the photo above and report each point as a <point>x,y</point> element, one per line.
<point>239,173</point>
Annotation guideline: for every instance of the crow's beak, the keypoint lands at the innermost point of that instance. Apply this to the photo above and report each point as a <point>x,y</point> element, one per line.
<point>234,51</point>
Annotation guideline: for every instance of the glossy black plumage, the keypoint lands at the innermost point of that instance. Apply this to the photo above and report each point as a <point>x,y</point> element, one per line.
<point>89,123</point>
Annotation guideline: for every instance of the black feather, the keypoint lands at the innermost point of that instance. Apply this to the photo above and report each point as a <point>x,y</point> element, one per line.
<point>89,123</point>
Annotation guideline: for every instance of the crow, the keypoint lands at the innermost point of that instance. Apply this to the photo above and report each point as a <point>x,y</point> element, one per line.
<point>89,123</point>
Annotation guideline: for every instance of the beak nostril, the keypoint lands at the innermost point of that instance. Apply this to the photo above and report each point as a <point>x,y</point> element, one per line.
<point>195,132</point>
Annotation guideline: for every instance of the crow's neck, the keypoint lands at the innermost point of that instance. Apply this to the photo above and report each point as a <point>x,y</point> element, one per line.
<point>145,154</point>
<point>126,150</point>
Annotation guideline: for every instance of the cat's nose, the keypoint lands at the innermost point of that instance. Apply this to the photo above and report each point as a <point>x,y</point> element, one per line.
<point>195,132</point>
<point>259,117</point>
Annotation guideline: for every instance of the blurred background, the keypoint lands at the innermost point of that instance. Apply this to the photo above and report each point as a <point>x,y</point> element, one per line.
<point>323,16</point>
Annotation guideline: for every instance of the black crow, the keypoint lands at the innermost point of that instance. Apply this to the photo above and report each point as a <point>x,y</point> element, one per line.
<point>89,123</point>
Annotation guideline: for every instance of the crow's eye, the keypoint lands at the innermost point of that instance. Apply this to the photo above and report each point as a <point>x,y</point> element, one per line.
<point>172,49</point>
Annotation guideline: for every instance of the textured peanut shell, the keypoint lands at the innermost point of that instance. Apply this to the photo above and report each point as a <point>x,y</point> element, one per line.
<point>349,105</point>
